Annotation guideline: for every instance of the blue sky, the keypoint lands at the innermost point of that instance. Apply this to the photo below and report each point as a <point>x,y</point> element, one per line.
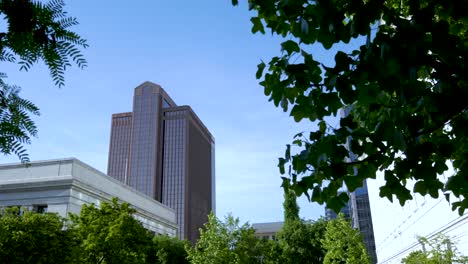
<point>204,55</point>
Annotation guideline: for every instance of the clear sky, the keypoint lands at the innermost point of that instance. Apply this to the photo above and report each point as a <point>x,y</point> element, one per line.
<point>204,55</point>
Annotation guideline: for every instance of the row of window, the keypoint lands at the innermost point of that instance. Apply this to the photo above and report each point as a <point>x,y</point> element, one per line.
<point>37,208</point>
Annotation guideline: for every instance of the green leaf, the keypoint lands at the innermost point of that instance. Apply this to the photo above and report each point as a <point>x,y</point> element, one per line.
<point>341,61</point>
<point>399,142</point>
<point>287,154</point>
<point>420,187</point>
<point>322,126</point>
<point>337,202</point>
<point>260,68</point>
<point>290,47</point>
<point>257,25</point>
<point>297,142</point>
<point>352,182</point>
<point>281,165</point>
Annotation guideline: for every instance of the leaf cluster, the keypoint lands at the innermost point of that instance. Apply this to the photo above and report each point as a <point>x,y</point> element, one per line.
<point>437,250</point>
<point>401,95</point>
<point>225,242</point>
<point>343,243</point>
<point>35,31</point>
<point>38,30</point>
<point>108,234</point>
<point>35,238</point>
<point>299,241</point>
<point>167,250</point>
<point>16,125</point>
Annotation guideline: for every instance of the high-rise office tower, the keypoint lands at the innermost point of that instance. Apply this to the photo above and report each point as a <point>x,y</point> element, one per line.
<point>358,209</point>
<point>164,151</point>
<point>361,218</point>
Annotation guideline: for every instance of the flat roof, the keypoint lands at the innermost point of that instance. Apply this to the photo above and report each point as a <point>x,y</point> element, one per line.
<point>270,227</point>
<point>49,172</point>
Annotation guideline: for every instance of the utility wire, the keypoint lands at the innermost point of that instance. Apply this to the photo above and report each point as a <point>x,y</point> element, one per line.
<point>401,232</point>
<point>422,215</point>
<point>432,234</point>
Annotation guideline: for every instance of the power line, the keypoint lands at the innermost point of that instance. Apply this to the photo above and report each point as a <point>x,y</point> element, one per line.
<point>401,232</point>
<point>422,215</point>
<point>432,234</point>
<point>381,244</point>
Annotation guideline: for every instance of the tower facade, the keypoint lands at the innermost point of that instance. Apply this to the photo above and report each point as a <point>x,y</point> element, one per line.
<point>164,151</point>
<point>358,210</point>
<point>361,218</point>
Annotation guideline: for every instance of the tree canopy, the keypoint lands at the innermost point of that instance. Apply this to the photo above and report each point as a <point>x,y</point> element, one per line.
<point>344,244</point>
<point>35,238</point>
<point>437,250</point>
<point>167,250</point>
<point>300,241</point>
<point>225,242</point>
<point>110,234</point>
<point>35,31</point>
<point>404,91</point>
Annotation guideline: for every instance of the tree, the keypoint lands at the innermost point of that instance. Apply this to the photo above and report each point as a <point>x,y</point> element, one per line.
<point>416,257</point>
<point>110,234</point>
<point>35,238</point>
<point>270,251</point>
<point>16,126</point>
<point>299,240</point>
<point>404,91</point>
<point>227,242</point>
<point>167,250</point>
<point>438,250</point>
<point>343,243</point>
<point>291,209</point>
<point>35,31</point>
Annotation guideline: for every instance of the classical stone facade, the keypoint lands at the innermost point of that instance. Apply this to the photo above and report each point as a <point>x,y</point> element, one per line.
<point>64,185</point>
<point>267,230</point>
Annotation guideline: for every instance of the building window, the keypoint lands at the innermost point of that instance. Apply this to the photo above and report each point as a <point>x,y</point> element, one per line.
<point>13,209</point>
<point>40,209</point>
<point>166,104</point>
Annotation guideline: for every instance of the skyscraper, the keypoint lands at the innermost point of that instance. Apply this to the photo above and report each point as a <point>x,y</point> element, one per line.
<point>358,208</point>
<point>164,151</point>
<point>361,218</point>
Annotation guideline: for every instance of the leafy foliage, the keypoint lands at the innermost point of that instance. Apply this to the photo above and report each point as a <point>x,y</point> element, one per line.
<point>40,31</point>
<point>110,234</point>
<point>227,242</point>
<point>416,257</point>
<point>299,240</point>
<point>270,251</point>
<point>438,250</point>
<point>167,250</point>
<point>291,209</point>
<point>35,238</point>
<point>403,93</point>
<point>343,244</point>
<point>16,126</point>
<point>35,31</point>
